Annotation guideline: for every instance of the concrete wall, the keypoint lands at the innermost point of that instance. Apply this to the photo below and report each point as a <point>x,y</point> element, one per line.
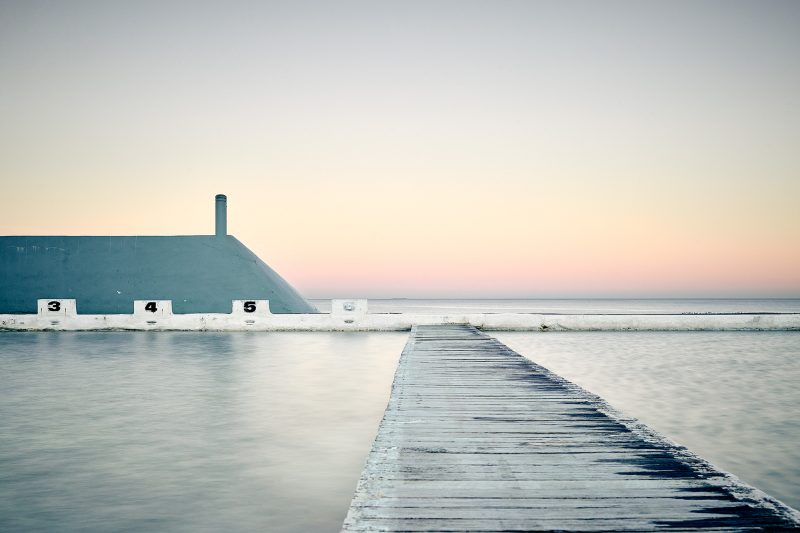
<point>353,315</point>
<point>199,274</point>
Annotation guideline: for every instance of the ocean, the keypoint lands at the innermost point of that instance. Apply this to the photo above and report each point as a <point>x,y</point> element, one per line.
<point>579,306</point>
<point>203,431</point>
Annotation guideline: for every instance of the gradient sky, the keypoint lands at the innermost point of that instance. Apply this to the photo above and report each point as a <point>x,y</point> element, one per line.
<point>440,148</point>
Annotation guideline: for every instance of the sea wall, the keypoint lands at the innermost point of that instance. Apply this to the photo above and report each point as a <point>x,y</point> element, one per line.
<point>353,315</point>
<point>105,275</point>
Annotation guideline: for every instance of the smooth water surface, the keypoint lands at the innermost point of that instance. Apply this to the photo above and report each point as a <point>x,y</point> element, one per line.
<point>201,431</point>
<point>145,431</point>
<point>731,397</point>
<point>580,306</point>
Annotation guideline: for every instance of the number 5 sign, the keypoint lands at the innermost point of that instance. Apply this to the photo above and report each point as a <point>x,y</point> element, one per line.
<point>251,307</point>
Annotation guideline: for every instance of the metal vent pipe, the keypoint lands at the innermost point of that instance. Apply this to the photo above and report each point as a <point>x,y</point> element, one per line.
<point>221,204</point>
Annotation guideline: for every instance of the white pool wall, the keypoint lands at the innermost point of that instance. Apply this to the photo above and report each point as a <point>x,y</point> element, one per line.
<point>353,315</point>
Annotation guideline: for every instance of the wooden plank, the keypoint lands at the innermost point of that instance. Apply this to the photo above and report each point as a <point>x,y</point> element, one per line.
<point>477,438</point>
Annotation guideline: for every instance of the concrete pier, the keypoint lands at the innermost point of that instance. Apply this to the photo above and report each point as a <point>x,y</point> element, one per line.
<point>477,438</point>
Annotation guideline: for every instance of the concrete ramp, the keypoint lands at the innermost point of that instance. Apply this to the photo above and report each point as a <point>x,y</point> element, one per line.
<point>105,275</point>
<point>477,438</point>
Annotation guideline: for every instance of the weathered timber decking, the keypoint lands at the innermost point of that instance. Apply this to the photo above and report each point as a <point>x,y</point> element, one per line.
<point>478,438</point>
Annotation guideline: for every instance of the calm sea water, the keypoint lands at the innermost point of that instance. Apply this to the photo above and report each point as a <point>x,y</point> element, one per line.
<point>142,431</point>
<point>269,431</point>
<point>580,306</point>
<point>731,397</point>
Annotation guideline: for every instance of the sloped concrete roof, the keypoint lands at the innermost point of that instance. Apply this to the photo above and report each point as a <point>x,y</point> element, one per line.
<point>200,274</point>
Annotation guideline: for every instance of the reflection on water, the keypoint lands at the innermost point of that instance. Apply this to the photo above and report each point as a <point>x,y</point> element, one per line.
<point>269,431</point>
<point>187,431</point>
<point>731,397</point>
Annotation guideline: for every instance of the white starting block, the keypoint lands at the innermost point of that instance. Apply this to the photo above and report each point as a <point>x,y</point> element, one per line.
<point>56,307</point>
<point>251,308</point>
<point>152,308</point>
<point>348,310</point>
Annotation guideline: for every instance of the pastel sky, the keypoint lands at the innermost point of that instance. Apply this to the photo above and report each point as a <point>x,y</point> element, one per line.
<point>420,149</point>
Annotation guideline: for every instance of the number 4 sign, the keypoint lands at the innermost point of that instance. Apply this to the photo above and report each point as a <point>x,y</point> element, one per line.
<point>152,308</point>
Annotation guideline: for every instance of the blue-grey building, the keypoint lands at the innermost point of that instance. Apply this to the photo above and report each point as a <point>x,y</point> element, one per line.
<point>199,273</point>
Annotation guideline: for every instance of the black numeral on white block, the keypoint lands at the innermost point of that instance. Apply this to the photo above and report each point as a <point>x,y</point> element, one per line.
<point>55,306</point>
<point>250,308</point>
<point>152,308</point>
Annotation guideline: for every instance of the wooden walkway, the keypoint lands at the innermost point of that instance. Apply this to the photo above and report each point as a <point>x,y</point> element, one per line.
<point>478,438</point>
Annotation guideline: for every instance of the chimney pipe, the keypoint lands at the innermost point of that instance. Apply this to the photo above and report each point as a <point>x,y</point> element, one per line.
<point>221,203</point>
